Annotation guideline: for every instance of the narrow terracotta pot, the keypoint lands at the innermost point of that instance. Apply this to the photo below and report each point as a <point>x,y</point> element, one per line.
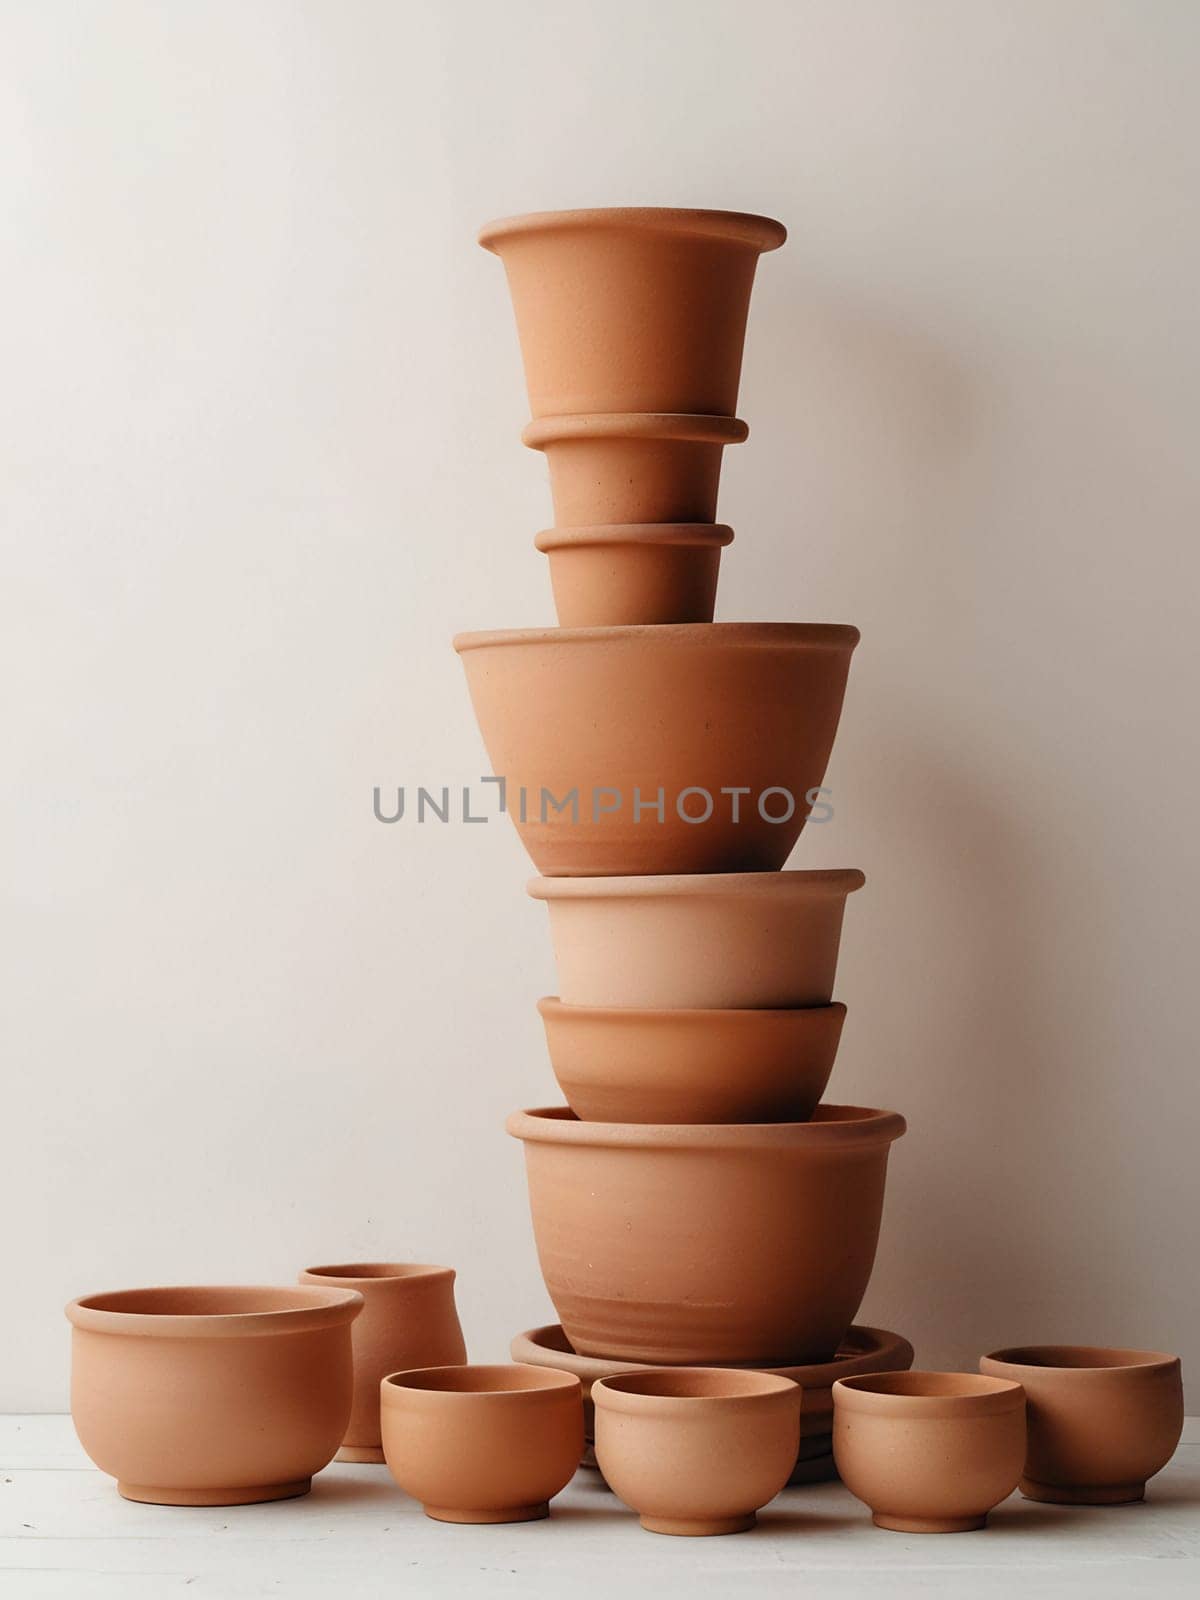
<point>587,726</point>
<point>1100,1421</point>
<point>482,1444</point>
<point>696,1450</point>
<point>634,467</point>
<point>707,1245</point>
<point>704,941</point>
<point>617,1064</point>
<point>212,1396</point>
<point>929,1452</point>
<point>632,308</point>
<point>634,574</point>
<point>409,1319</point>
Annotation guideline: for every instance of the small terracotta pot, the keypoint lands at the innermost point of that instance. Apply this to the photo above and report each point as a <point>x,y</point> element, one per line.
<point>629,1065</point>
<point>929,1452</point>
<point>634,467</point>
<point>632,308</point>
<point>704,941</point>
<point>212,1396</point>
<point>641,573</point>
<point>1100,1421</point>
<point>707,1245</point>
<point>409,1319</point>
<point>696,1450</point>
<point>587,725</point>
<point>482,1444</point>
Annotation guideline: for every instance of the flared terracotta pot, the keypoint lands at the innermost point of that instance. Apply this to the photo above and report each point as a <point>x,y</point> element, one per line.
<point>634,467</point>
<point>409,1319</point>
<point>1101,1421</point>
<point>212,1396</point>
<point>616,1064</point>
<point>704,941</point>
<point>632,308</point>
<point>683,749</point>
<point>634,574</point>
<point>707,1245</point>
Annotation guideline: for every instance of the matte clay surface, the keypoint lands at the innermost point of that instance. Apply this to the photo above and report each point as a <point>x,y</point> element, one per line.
<point>408,1319</point>
<point>642,573</point>
<point>482,1444</point>
<point>629,1065</point>
<point>929,1452</point>
<point>614,714</point>
<point>212,1396</point>
<point>1101,1421</point>
<point>632,308</point>
<point>724,1245</point>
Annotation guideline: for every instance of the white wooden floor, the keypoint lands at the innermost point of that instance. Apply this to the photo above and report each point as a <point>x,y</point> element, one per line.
<point>65,1532</point>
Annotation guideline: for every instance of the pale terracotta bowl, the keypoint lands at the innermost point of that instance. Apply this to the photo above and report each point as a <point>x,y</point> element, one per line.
<point>696,1450</point>
<point>482,1444</point>
<point>638,573</point>
<point>212,1396</point>
<point>1100,1421</point>
<point>929,1452</point>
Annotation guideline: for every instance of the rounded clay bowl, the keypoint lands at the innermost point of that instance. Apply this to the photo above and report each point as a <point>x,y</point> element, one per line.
<point>644,573</point>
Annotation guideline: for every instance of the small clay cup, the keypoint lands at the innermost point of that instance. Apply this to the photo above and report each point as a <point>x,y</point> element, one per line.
<point>409,1319</point>
<point>618,1064</point>
<point>929,1452</point>
<point>696,1450</point>
<point>1100,1421</point>
<point>641,573</point>
<point>482,1444</point>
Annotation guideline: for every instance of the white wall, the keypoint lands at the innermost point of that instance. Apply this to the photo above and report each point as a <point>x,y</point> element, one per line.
<point>261,396</point>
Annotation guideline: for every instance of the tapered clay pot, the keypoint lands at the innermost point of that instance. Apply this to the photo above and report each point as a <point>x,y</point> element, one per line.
<point>634,573</point>
<point>707,1245</point>
<point>212,1396</point>
<point>929,1452</point>
<point>702,941</point>
<point>1100,1421</point>
<point>482,1444</point>
<point>618,1064</point>
<point>696,1450</point>
<point>409,1319</point>
<point>634,467</point>
<point>691,748</point>
<point>632,308</point>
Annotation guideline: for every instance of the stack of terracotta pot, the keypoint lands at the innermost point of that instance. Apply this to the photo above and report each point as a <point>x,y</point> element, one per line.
<point>696,1204</point>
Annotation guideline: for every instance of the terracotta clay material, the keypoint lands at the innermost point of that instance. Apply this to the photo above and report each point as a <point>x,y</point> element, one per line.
<point>632,308</point>
<point>638,573</point>
<point>409,1319</point>
<point>482,1444</point>
<point>591,723</point>
<point>929,1452</point>
<point>1100,1421</point>
<point>627,1065</point>
<point>707,1245</point>
<point>696,1450</point>
<point>702,941</point>
<point>212,1396</point>
<point>634,467</point>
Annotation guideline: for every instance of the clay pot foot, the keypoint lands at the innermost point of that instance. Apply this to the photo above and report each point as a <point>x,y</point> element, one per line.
<point>533,1513</point>
<point>929,1524</point>
<point>361,1453</point>
<point>247,1495</point>
<point>1108,1494</point>
<point>698,1527</point>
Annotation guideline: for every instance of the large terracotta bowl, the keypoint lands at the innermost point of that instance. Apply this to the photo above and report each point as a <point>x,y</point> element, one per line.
<point>601,719</point>
<point>634,574</point>
<point>709,1245</point>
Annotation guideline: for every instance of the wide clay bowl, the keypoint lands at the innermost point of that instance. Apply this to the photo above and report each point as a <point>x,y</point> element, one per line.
<point>634,573</point>
<point>707,1245</point>
<point>409,1319</point>
<point>212,1396</point>
<point>617,1064</point>
<point>482,1444</point>
<point>929,1452</point>
<point>696,1450</point>
<point>1100,1421</point>
<point>714,941</point>
<point>631,308</point>
<point>681,749</point>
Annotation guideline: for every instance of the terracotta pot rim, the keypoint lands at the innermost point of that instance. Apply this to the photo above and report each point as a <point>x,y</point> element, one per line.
<point>483,1380</point>
<point>606,535</point>
<point>354,1272</point>
<point>727,885</point>
<point>649,1390</point>
<point>695,427</point>
<point>832,1127</point>
<point>782,1016</point>
<point>118,1311</point>
<point>739,227</point>
<point>927,1395</point>
<point>1025,1358</point>
<point>668,635</point>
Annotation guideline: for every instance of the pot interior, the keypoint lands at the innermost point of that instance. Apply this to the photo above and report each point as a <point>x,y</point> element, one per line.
<point>1078,1357</point>
<point>512,1379</point>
